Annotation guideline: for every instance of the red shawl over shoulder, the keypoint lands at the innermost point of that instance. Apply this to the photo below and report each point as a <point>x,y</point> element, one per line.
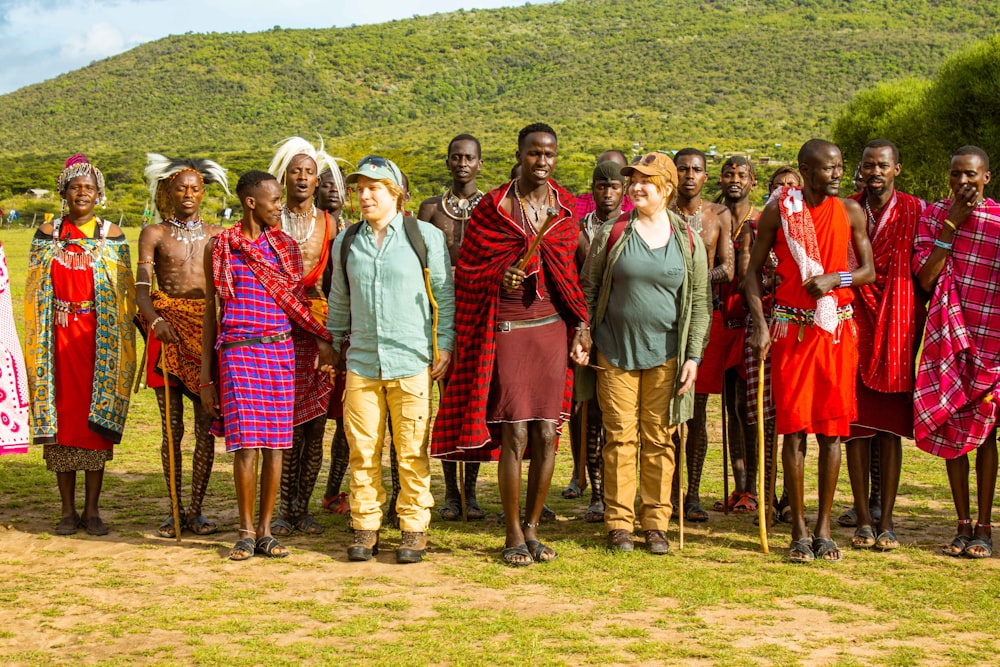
<point>493,243</point>
<point>887,314</point>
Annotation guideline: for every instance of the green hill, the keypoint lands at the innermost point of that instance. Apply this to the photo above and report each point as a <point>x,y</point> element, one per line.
<point>737,75</point>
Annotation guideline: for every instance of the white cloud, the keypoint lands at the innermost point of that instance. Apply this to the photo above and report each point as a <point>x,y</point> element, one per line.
<point>102,40</point>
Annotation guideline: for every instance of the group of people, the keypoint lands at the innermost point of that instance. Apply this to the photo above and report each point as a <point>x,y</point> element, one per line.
<point>616,314</point>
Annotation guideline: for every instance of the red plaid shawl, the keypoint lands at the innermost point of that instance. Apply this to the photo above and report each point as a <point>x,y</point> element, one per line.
<point>958,377</point>
<point>283,283</point>
<point>886,312</point>
<point>492,244</point>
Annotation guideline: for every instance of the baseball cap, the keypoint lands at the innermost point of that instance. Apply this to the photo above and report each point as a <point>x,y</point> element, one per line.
<point>376,168</point>
<point>654,164</point>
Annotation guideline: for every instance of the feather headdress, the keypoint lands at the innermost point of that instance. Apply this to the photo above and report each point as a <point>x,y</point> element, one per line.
<point>293,146</point>
<point>79,165</point>
<point>160,171</point>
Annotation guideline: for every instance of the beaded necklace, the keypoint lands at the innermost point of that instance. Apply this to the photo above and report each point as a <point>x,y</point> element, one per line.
<point>736,234</point>
<point>294,224</point>
<point>77,261</point>
<point>186,232</point>
<point>693,220</point>
<point>464,207</point>
<point>872,220</point>
<point>524,204</point>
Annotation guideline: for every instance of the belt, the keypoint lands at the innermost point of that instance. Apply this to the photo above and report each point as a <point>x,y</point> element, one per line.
<point>63,309</point>
<point>79,307</point>
<point>253,341</point>
<point>524,324</point>
<point>805,316</point>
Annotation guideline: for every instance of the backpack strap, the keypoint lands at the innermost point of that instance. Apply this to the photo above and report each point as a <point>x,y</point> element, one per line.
<point>619,228</point>
<point>616,232</point>
<point>412,230</point>
<point>345,250</point>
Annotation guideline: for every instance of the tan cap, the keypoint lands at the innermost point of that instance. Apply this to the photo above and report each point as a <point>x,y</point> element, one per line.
<point>654,164</point>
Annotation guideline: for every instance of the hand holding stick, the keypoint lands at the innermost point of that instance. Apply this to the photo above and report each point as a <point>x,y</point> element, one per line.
<point>551,212</point>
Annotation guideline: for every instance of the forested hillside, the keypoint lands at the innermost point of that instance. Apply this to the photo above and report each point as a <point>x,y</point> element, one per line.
<point>736,75</point>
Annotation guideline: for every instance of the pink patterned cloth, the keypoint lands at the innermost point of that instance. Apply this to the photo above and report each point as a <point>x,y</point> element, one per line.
<point>14,430</point>
<point>958,377</point>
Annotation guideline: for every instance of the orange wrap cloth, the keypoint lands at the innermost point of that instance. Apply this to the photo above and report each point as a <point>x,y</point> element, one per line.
<point>813,369</point>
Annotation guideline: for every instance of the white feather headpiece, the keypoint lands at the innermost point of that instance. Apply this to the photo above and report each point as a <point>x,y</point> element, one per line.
<point>293,146</point>
<point>160,170</point>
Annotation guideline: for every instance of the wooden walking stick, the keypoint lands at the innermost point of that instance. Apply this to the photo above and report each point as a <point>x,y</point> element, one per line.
<point>760,455</point>
<point>581,480</point>
<point>772,443</point>
<point>680,484</point>
<point>174,500</point>
<point>725,453</point>
<point>551,212</point>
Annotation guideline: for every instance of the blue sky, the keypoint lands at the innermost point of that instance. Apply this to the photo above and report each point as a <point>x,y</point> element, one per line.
<point>41,39</point>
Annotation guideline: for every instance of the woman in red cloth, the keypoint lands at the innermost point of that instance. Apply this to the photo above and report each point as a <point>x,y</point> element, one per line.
<point>81,343</point>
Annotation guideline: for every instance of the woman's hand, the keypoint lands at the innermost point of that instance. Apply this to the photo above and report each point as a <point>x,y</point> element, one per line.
<point>689,373</point>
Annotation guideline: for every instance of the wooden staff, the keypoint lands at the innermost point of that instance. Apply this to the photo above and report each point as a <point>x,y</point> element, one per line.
<point>582,477</point>
<point>760,456</point>
<point>773,472</point>
<point>437,357</point>
<point>174,500</point>
<point>725,453</point>
<point>551,212</point>
<point>680,484</point>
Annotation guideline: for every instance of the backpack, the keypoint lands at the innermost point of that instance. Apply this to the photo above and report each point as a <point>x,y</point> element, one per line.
<point>412,230</point>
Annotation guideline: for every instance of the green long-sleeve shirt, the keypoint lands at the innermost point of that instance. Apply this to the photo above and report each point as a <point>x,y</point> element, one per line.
<point>387,312</point>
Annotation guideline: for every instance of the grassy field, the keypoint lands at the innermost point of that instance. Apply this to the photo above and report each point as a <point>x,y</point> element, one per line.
<point>132,598</point>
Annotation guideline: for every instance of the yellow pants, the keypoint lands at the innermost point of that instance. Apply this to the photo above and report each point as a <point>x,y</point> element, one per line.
<point>366,404</point>
<point>636,407</point>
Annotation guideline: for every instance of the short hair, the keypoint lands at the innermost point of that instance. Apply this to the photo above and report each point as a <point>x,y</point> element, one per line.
<point>739,161</point>
<point>531,129</point>
<point>684,152</point>
<point>813,146</point>
<point>974,150</point>
<point>466,137</point>
<point>617,153</point>
<point>781,171</point>
<point>250,180</point>
<point>882,143</point>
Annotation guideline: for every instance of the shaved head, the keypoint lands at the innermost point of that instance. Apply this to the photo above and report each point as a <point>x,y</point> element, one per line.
<point>815,148</point>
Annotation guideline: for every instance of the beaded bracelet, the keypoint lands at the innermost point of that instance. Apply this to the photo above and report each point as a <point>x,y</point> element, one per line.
<point>152,325</point>
<point>206,384</point>
<point>938,243</point>
<point>846,279</point>
<point>143,282</point>
<point>951,224</point>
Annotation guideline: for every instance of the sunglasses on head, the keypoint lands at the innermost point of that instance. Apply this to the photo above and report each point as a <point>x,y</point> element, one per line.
<point>379,161</point>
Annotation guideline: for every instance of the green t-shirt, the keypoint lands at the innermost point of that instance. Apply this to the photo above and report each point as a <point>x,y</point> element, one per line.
<point>639,330</point>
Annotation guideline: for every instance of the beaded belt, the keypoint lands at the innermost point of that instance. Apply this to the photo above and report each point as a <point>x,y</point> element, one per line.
<point>804,316</point>
<point>782,316</point>
<point>524,324</point>
<point>253,341</point>
<point>63,309</point>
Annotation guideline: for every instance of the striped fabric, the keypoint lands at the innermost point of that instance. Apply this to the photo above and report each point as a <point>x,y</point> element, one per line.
<point>886,311</point>
<point>257,382</point>
<point>493,243</point>
<point>958,375</point>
